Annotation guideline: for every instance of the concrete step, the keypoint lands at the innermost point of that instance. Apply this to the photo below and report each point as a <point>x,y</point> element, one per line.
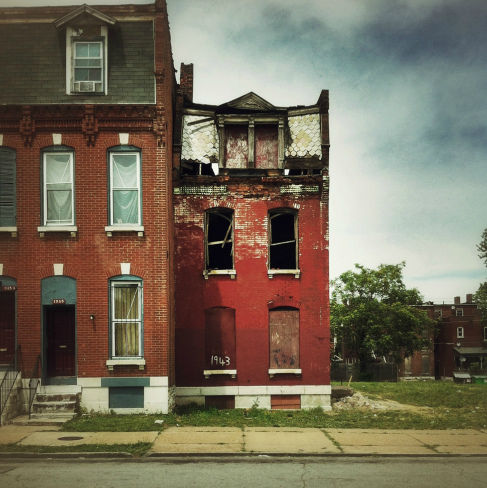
<point>40,420</point>
<point>58,397</point>
<point>53,407</point>
<point>58,389</point>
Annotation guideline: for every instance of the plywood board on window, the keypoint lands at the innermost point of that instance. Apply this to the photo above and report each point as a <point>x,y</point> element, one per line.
<point>284,338</point>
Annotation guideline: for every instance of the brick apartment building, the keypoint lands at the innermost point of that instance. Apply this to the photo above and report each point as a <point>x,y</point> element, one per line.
<point>86,120</point>
<point>251,252</point>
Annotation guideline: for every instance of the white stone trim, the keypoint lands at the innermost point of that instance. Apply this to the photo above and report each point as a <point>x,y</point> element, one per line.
<point>125,268</point>
<point>124,139</point>
<point>125,362</point>
<point>1,269</point>
<point>209,372</point>
<point>1,139</point>
<point>72,229</point>
<point>109,229</point>
<point>58,269</point>
<point>11,230</point>
<point>57,139</point>
<point>230,272</point>
<point>254,390</point>
<point>272,372</point>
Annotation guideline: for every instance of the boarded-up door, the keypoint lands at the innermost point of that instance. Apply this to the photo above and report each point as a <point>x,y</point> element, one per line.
<point>284,338</point>
<point>60,335</point>
<point>236,146</point>
<point>220,347</point>
<point>7,326</point>
<point>266,146</point>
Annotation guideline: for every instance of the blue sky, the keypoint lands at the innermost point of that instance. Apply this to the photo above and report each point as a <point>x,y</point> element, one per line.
<point>408,115</point>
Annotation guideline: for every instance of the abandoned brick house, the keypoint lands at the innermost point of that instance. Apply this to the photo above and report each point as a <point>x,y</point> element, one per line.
<point>86,118</point>
<point>105,294</point>
<point>251,252</point>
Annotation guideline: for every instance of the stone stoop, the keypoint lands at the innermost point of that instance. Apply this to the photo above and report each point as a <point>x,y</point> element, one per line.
<point>13,408</point>
<point>54,405</point>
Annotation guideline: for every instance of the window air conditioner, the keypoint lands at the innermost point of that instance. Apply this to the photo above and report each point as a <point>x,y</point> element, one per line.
<point>88,86</point>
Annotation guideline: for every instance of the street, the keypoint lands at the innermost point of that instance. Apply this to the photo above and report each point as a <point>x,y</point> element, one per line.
<point>265,471</point>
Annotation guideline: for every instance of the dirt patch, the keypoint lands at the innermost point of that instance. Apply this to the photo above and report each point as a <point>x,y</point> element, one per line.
<point>359,401</point>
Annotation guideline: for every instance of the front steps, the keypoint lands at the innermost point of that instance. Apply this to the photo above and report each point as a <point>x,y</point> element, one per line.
<point>53,405</point>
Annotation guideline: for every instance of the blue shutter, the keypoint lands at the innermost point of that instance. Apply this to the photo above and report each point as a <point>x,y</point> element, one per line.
<point>7,188</point>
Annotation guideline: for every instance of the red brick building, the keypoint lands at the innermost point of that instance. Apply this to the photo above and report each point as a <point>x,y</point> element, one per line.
<point>251,252</point>
<point>86,221</point>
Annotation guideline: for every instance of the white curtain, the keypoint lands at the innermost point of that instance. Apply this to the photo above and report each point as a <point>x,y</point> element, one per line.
<point>125,189</point>
<point>127,320</point>
<point>59,189</point>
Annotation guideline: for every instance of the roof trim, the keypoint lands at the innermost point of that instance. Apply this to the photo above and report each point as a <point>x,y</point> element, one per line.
<point>63,21</point>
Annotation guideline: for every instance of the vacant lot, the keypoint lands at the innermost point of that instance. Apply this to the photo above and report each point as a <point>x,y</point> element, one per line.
<point>439,405</point>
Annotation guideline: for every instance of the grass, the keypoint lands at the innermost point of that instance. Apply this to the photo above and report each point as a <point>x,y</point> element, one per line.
<point>450,406</point>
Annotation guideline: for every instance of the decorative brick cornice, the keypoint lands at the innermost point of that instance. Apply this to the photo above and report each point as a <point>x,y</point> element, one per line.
<point>89,125</point>
<point>27,126</point>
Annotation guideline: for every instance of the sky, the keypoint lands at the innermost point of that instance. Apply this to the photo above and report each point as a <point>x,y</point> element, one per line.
<point>408,115</point>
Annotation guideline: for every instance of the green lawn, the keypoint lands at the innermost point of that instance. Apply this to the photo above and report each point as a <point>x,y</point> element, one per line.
<point>451,406</point>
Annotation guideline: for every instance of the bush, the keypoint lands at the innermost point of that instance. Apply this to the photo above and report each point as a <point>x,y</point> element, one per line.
<point>474,366</point>
<point>365,377</point>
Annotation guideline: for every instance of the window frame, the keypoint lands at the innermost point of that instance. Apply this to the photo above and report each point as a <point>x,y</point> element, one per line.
<point>101,58</point>
<point>459,312</point>
<point>126,281</point>
<point>124,150</point>
<point>270,216</point>
<point>8,155</point>
<point>460,333</point>
<point>44,191</point>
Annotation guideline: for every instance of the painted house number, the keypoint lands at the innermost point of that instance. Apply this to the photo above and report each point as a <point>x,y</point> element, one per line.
<point>220,361</point>
<point>9,288</point>
<point>58,301</point>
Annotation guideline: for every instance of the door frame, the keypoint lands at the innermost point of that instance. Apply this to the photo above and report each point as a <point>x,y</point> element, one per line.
<point>8,281</point>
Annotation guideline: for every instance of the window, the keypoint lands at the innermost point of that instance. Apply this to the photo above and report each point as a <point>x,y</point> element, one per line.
<point>283,241</point>
<point>459,312</point>
<point>219,239</point>
<point>438,313</point>
<point>125,189</point>
<point>284,340</point>
<point>460,333</point>
<point>7,188</point>
<point>126,319</point>
<point>58,194</point>
<point>88,67</point>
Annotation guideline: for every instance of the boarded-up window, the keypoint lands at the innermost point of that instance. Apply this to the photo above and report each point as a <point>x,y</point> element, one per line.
<point>220,346</point>
<point>285,402</point>
<point>236,146</point>
<point>219,239</point>
<point>284,338</point>
<point>7,188</point>
<point>266,146</point>
<point>283,232</point>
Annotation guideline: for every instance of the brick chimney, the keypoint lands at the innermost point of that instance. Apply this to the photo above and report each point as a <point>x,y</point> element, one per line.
<point>186,81</point>
<point>469,298</point>
<point>456,300</point>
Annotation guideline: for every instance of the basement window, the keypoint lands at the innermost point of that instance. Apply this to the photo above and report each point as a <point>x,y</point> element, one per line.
<point>219,249</point>
<point>283,242</point>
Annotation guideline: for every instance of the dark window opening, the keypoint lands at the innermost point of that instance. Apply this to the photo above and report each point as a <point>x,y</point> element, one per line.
<point>283,242</point>
<point>196,169</point>
<point>219,239</point>
<point>304,172</point>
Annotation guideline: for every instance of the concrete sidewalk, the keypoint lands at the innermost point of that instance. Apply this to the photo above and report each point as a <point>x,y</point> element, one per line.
<point>264,440</point>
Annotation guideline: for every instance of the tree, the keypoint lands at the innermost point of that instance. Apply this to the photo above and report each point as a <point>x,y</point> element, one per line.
<point>482,247</point>
<point>371,312</point>
<point>481,295</point>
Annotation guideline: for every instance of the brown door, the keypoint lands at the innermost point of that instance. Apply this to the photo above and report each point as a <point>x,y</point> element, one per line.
<point>284,338</point>
<point>60,334</point>
<point>7,326</point>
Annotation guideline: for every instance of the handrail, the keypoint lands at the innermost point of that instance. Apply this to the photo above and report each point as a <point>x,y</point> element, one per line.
<point>9,380</point>
<point>34,382</point>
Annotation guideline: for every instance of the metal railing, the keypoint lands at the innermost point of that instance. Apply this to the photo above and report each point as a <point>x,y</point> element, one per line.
<point>34,382</point>
<point>9,380</point>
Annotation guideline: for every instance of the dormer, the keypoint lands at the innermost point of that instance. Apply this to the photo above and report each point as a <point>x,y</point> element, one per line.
<point>86,50</point>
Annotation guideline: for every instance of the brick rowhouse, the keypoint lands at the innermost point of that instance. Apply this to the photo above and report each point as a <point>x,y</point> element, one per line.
<point>86,229</point>
<point>251,252</point>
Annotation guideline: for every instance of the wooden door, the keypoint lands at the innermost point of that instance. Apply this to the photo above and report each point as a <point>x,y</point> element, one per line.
<point>284,338</point>
<point>7,326</point>
<point>61,341</point>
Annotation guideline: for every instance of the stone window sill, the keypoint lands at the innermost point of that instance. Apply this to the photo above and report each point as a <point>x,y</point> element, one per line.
<point>272,372</point>
<point>209,372</point>
<point>212,272</point>
<point>72,229</point>
<point>295,272</point>
<point>125,362</point>
<point>109,229</point>
<point>12,230</point>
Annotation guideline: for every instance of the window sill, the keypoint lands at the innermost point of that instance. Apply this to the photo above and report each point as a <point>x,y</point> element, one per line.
<point>209,372</point>
<point>109,229</point>
<point>12,230</point>
<point>125,362</point>
<point>72,229</point>
<point>295,272</point>
<point>231,272</point>
<point>272,372</point>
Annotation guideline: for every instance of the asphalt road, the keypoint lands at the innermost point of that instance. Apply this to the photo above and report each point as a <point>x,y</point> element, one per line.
<point>306,472</point>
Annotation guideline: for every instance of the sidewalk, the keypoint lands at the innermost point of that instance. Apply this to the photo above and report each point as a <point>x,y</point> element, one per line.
<point>264,440</point>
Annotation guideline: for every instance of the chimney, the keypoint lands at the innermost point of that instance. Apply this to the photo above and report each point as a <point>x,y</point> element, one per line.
<point>456,300</point>
<point>469,298</point>
<point>186,81</point>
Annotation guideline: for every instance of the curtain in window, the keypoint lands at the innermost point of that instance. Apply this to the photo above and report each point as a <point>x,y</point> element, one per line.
<point>127,320</point>
<point>59,189</point>
<point>125,189</point>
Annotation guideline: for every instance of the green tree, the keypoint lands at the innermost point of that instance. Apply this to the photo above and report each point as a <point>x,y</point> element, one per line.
<point>371,312</point>
<point>482,247</point>
<point>481,295</point>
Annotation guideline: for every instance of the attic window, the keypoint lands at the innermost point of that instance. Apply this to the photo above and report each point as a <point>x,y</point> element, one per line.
<point>88,67</point>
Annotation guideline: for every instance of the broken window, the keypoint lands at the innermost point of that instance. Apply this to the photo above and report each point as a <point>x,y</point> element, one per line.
<point>284,338</point>
<point>219,239</point>
<point>283,232</point>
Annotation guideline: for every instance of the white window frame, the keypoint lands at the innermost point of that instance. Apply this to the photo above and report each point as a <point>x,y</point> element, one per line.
<point>439,313</point>
<point>137,188</point>
<point>460,333</point>
<point>459,312</point>
<point>45,189</point>
<point>139,320</point>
